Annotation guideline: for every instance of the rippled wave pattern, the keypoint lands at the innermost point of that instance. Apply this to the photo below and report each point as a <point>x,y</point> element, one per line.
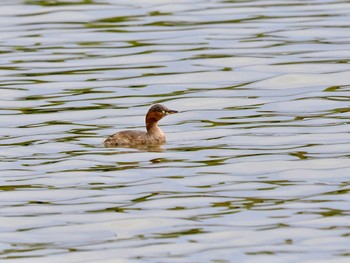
<point>256,168</point>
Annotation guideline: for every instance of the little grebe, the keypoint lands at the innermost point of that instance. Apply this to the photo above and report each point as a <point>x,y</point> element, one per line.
<point>153,136</point>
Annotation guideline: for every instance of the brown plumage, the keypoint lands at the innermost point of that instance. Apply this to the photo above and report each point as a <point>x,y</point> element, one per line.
<point>154,135</point>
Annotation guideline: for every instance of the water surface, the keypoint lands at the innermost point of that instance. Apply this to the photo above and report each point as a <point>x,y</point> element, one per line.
<point>256,168</point>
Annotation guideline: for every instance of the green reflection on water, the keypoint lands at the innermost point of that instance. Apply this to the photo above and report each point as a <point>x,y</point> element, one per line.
<point>15,187</point>
<point>58,3</point>
<point>158,13</point>
<point>116,19</point>
<point>192,231</point>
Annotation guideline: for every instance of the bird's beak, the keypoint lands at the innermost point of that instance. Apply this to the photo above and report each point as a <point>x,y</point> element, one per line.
<point>171,112</point>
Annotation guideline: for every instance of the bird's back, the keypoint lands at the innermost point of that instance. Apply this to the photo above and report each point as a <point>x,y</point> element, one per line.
<point>133,138</point>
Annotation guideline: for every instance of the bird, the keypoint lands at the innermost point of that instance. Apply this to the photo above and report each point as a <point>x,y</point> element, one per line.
<point>153,136</point>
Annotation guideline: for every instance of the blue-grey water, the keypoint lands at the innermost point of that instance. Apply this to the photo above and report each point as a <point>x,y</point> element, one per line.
<point>256,167</point>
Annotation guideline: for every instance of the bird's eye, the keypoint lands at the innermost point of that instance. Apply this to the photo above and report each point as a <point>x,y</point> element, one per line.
<point>163,111</point>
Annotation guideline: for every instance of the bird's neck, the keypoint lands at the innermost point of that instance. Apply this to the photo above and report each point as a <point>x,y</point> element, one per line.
<point>151,124</point>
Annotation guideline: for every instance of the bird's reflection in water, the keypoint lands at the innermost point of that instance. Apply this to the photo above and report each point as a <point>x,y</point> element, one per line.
<point>146,148</point>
